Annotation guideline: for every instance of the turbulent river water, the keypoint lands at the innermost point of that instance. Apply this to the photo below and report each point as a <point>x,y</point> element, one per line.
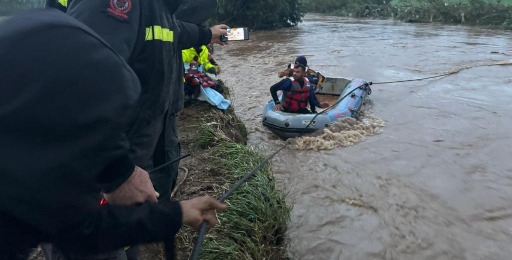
<point>430,177</point>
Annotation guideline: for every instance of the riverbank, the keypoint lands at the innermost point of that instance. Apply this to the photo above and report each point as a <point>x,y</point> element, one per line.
<point>493,14</point>
<point>254,225</point>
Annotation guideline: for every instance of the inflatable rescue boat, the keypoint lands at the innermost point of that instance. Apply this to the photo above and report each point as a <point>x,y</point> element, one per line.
<point>344,96</point>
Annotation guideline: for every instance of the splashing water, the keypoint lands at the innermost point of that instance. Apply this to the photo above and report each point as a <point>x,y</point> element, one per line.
<point>346,132</point>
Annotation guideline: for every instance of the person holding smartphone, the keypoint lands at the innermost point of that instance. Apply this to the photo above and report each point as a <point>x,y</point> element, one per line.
<point>149,38</point>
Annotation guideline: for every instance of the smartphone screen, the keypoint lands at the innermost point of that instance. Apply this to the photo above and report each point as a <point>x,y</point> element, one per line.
<point>238,34</point>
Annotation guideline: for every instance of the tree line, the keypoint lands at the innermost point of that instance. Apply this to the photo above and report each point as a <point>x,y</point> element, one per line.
<point>495,13</point>
<point>9,6</point>
<point>273,14</point>
<point>262,14</point>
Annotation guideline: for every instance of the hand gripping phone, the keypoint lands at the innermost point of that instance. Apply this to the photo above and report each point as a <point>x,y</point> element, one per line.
<point>236,34</point>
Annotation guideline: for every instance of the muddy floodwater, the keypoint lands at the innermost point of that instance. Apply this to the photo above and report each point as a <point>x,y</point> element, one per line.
<point>426,173</point>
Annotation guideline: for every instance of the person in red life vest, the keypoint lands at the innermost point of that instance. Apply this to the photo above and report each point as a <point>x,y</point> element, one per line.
<point>315,78</point>
<point>297,93</point>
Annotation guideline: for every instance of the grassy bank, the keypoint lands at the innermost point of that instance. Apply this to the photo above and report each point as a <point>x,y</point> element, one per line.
<point>496,14</point>
<point>254,225</point>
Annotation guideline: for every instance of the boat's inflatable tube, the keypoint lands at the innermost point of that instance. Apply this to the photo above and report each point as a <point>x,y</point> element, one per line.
<point>287,125</point>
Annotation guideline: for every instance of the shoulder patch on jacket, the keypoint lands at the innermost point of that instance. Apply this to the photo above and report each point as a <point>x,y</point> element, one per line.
<point>120,8</point>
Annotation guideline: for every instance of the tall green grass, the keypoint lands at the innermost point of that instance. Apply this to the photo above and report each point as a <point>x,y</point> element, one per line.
<point>205,136</point>
<point>254,225</point>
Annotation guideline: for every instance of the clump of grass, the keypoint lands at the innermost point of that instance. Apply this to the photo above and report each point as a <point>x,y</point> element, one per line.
<point>254,225</point>
<point>205,137</point>
<point>238,159</point>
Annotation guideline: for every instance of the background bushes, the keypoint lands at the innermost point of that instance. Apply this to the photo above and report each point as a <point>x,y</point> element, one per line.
<point>262,14</point>
<point>494,13</point>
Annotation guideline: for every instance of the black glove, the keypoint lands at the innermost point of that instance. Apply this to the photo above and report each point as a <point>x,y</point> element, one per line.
<point>212,70</point>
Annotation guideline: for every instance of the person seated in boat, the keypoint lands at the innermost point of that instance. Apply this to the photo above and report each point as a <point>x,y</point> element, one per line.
<point>315,78</point>
<point>297,93</point>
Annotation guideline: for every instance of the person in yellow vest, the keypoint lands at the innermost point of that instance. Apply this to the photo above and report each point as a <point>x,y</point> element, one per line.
<point>202,57</point>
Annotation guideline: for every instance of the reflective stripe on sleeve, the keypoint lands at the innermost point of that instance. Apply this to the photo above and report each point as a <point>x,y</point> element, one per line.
<point>63,3</point>
<point>156,32</point>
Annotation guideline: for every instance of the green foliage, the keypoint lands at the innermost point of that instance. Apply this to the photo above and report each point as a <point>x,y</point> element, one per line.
<point>496,13</point>
<point>263,14</point>
<point>348,7</point>
<point>205,137</point>
<point>254,225</point>
<point>478,12</point>
<point>10,6</point>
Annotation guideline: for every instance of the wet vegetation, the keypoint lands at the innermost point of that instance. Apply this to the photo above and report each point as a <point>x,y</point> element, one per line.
<point>10,6</point>
<point>263,14</point>
<point>254,225</point>
<point>273,14</point>
<point>494,13</point>
<point>205,136</point>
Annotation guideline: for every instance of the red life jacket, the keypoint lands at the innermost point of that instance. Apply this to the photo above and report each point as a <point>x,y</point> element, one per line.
<point>298,96</point>
<point>195,78</point>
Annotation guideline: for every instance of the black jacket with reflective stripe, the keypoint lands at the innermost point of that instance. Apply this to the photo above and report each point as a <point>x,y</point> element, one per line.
<point>65,100</point>
<point>150,39</point>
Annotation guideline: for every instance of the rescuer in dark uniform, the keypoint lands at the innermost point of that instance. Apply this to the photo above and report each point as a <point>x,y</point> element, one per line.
<point>65,101</point>
<point>147,35</point>
<point>150,39</point>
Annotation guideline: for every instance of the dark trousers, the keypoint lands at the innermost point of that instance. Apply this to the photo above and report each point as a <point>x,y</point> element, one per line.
<point>167,149</point>
<point>165,179</point>
<point>17,238</point>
